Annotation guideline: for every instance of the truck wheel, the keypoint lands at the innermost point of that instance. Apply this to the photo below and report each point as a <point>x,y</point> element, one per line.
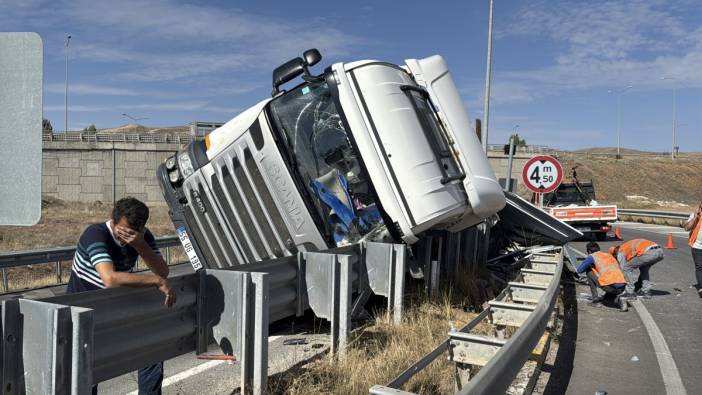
<point>601,236</point>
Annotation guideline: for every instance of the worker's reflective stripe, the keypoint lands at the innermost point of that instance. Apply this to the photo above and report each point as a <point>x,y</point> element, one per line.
<point>695,233</point>
<point>607,269</point>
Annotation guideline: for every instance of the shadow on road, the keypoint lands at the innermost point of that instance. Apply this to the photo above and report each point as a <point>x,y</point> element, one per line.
<point>562,367</point>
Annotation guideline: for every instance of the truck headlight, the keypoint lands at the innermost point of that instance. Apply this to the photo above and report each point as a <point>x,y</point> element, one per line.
<point>174,176</point>
<point>171,163</point>
<point>185,164</point>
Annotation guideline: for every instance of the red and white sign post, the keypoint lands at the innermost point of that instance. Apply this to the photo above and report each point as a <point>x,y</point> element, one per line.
<point>542,174</point>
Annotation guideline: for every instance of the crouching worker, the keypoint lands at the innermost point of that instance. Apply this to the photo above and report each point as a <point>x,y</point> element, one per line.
<point>634,256</point>
<point>603,272</point>
<point>105,257</point>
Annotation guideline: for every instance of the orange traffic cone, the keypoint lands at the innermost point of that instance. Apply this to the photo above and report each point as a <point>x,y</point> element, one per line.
<point>618,233</point>
<point>670,245</point>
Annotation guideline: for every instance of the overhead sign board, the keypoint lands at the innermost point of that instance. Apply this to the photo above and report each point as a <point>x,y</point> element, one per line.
<point>542,174</point>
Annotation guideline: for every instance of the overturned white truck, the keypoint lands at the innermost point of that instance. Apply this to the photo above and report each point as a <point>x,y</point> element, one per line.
<point>366,150</point>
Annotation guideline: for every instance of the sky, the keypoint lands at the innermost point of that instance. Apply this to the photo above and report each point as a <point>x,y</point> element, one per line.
<point>558,66</point>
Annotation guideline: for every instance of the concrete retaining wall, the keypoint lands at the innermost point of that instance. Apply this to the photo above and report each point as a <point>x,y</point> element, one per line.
<point>83,172</point>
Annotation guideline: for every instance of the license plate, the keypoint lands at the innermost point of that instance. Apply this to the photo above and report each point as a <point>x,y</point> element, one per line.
<point>188,247</point>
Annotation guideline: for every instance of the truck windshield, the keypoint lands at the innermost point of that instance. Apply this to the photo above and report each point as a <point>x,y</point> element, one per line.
<point>319,150</point>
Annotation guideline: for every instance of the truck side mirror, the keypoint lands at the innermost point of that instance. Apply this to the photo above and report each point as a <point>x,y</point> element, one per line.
<point>311,57</point>
<point>286,72</point>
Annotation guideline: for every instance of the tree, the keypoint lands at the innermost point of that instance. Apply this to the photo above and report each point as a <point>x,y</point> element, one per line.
<point>518,141</point>
<point>46,125</point>
<point>90,128</point>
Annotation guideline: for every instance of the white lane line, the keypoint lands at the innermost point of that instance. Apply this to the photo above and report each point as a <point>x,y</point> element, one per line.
<point>671,376</point>
<point>193,371</point>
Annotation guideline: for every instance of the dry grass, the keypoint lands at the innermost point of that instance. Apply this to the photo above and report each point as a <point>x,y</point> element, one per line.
<point>381,350</point>
<point>62,223</point>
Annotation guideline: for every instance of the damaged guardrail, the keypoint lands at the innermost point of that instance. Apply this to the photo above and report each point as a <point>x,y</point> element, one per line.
<point>66,344</point>
<point>526,304</point>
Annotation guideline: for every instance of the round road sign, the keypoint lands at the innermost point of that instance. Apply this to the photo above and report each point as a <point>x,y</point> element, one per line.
<point>542,174</point>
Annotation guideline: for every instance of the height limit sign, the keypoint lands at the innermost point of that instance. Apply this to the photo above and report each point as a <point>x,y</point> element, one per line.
<point>542,174</point>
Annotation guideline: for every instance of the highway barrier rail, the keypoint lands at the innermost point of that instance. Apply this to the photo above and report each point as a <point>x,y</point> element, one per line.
<point>527,304</point>
<point>65,344</point>
<point>653,214</point>
<point>57,255</point>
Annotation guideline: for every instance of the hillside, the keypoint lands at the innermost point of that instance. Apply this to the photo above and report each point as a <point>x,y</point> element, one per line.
<point>640,181</point>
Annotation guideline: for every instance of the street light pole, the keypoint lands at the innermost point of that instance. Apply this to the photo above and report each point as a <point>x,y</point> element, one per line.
<point>488,77</point>
<point>675,119</point>
<point>619,117</point>
<point>65,97</point>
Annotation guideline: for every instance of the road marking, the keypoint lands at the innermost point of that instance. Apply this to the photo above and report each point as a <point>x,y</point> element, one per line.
<point>193,371</point>
<point>671,377</point>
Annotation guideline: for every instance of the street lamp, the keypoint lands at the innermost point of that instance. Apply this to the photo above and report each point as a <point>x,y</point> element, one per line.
<point>488,77</point>
<point>675,118</point>
<point>65,97</point>
<point>619,93</point>
<point>132,118</point>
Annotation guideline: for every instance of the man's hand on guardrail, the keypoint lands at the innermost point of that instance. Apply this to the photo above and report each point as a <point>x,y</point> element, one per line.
<point>165,288</point>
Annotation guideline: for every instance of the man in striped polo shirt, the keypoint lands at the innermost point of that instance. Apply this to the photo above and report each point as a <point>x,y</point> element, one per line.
<point>105,258</point>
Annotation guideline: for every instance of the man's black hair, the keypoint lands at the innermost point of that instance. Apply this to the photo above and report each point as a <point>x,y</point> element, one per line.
<point>592,247</point>
<point>135,212</point>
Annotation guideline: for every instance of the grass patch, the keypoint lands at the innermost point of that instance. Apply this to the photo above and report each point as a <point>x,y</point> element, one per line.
<point>380,351</point>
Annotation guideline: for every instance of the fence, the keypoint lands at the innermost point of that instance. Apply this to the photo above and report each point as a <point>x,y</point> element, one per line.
<point>77,340</point>
<point>57,255</point>
<point>98,137</point>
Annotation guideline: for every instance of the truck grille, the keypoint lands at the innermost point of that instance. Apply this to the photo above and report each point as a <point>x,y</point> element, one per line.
<point>240,222</point>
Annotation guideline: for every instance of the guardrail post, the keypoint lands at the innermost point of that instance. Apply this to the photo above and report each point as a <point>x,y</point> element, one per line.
<point>58,272</point>
<point>260,329</point>
<point>82,351</point>
<point>5,283</point>
<point>12,378</point>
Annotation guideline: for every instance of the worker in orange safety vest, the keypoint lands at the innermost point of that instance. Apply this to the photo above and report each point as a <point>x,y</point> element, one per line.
<point>636,257</point>
<point>694,226</point>
<point>603,272</point>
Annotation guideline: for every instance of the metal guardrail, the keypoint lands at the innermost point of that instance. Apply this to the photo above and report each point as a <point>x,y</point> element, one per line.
<point>57,255</point>
<point>53,254</point>
<point>99,137</point>
<point>532,302</point>
<point>654,214</point>
<point>77,340</point>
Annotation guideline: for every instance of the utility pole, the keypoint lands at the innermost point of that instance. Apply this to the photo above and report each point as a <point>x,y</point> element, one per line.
<point>65,97</point>
<point>488,77</point>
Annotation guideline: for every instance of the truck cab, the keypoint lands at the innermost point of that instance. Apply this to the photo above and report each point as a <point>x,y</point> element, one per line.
<point>366,150</point>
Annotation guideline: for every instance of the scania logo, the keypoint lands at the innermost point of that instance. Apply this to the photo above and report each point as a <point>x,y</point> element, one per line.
<point>198,201</point>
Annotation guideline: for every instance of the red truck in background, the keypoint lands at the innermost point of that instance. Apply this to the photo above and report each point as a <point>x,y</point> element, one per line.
<point>574,203</point>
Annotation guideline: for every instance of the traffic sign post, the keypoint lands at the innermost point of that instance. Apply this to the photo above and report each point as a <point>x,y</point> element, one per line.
<point>542,174</point>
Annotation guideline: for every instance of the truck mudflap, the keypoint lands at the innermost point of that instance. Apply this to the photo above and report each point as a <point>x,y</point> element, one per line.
<point>485,194</point>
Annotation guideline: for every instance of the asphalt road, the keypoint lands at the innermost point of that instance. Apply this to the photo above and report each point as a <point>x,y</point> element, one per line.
<point>607,350</point>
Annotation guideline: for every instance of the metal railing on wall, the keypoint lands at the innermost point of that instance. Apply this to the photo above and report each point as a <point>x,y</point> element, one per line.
<point>98,137</point>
